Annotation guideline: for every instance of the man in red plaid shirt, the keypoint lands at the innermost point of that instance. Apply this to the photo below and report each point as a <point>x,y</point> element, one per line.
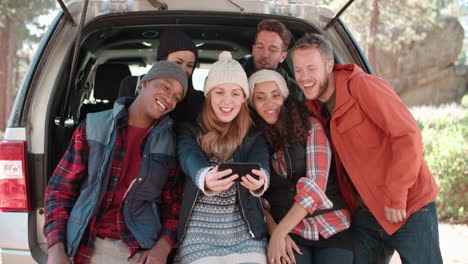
<point>115,195</point>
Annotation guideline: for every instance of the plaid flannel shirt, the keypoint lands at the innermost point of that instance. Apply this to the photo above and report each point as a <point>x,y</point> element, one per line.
<point>64,187</point>
<point>311,189</point>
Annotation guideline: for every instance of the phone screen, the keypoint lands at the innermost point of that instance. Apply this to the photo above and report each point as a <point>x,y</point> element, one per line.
<point>240,168</point>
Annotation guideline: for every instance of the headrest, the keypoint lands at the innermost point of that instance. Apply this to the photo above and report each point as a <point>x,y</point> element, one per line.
<point>128,86</point>
<point>107,80</point>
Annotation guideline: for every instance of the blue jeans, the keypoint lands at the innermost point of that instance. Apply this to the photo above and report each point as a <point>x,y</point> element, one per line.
<point>318,255</point>
<point>417,241</point>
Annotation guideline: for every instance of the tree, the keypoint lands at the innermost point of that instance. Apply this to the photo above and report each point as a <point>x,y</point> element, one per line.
<point>373,30</point>
<point>390,24</point>
<point>15,17</point>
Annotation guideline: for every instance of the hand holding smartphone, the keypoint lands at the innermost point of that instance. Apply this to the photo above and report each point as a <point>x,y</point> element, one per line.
<point>240,168</point>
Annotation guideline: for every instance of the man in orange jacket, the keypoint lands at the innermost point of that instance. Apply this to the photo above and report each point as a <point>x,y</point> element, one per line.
<point>378,153</point>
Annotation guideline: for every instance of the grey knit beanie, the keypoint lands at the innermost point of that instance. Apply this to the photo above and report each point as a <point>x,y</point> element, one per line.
<point>167,69</point>
<point>266,75</point>
<point>226,70</point>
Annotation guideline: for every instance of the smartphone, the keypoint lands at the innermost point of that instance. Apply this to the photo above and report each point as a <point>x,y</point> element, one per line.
<point>240,168</point>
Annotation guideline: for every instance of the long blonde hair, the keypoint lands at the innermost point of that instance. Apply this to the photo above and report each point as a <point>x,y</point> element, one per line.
<point>220,139</point>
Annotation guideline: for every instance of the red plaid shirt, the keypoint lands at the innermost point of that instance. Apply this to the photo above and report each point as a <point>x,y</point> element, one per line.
<point>311,189</point>
<point>64,188</point>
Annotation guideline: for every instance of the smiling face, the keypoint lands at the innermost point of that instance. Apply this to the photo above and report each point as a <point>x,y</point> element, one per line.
<point>185,59</point>
<point>160,96</point>
<point>312,73</point>
<point>267,51</point>
<point>226,101</point>
<point>268,100</point>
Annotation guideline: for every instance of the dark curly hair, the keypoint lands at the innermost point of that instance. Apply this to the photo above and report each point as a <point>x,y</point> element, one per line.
<point>292,126</point>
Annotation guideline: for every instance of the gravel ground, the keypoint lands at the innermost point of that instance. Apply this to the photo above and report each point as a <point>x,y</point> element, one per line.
<point>453,244</point>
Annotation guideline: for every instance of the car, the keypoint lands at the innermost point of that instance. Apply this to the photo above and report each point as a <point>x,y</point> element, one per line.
<point>70,76</point>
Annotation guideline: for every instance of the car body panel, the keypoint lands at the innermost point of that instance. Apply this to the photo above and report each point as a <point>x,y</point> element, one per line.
<point>14,241</point>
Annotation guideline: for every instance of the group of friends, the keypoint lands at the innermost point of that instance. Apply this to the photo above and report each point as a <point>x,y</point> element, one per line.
<point>342,177</point>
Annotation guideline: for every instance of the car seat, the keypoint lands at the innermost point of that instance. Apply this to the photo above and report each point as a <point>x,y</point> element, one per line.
<point>129,86</point>
<point>106,87</point>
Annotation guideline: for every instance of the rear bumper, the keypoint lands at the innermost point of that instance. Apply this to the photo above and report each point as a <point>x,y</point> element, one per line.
<point>8,256</point>
<point>18,239</point>
<point>14,229</point>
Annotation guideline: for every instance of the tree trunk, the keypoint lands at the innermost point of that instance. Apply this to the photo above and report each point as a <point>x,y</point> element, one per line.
<point>4,70</point>
<point>373,28</point>
<point>12,69</point>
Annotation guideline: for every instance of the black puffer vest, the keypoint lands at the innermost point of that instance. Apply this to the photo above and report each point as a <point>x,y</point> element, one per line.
<point>282,190</point>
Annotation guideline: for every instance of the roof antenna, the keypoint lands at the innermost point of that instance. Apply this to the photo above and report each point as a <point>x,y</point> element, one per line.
<point>238,6</point>
<point>335,18</point>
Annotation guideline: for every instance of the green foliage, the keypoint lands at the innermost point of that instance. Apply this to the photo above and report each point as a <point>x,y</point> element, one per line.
<point>464,100</point>
<point>22,12</point>
<point>1,135</point>
<point>20,22</point>
<point>445,135</point>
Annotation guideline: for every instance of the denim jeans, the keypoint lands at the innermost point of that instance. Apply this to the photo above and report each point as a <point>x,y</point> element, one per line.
<point>318,255</point>
<point>417,241</point>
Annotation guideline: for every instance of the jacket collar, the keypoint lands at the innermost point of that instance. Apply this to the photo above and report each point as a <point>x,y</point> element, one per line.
<point>120,113</point>
<point>250,68</point>
<point>343,73</point>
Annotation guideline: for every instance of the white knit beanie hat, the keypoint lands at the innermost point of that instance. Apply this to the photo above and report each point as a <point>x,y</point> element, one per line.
<point>266,75</point>
<point>226,70</point>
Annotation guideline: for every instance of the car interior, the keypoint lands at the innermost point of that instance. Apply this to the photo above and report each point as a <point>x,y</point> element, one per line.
<point>115,46</point>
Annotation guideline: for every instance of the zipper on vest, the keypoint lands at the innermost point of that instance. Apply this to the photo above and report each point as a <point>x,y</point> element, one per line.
<point>139,177</point>
<point>190,213</point>
<point>242,211</point>
<point>98,198</point>
<point>145,155</point>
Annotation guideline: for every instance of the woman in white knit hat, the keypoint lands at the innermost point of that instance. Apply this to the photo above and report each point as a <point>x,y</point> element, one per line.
<point>306,217</point>
<point>221,218</point>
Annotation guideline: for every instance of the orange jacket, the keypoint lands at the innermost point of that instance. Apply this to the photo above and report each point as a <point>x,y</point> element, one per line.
<point>379,144</point>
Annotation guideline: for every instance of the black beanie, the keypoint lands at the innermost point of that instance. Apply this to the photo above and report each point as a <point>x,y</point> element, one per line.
<point>173,40</point>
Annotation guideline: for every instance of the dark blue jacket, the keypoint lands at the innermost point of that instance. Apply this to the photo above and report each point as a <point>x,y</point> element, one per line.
<point>141,205</point>
<point>192,159</point>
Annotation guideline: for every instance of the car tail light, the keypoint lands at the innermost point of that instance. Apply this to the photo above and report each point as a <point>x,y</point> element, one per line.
<point>14,191</point>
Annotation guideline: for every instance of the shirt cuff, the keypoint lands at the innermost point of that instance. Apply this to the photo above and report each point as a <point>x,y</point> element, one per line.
<point>54,238</point>
<point>306,201</point>
<point>310,196</point>
<point>261,191</point>
<point>201,175</point>
<point>395,199</point>
<point>169,239</point>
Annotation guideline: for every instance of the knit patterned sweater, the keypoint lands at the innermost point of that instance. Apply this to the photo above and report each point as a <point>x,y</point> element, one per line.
<point>216,231</point>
